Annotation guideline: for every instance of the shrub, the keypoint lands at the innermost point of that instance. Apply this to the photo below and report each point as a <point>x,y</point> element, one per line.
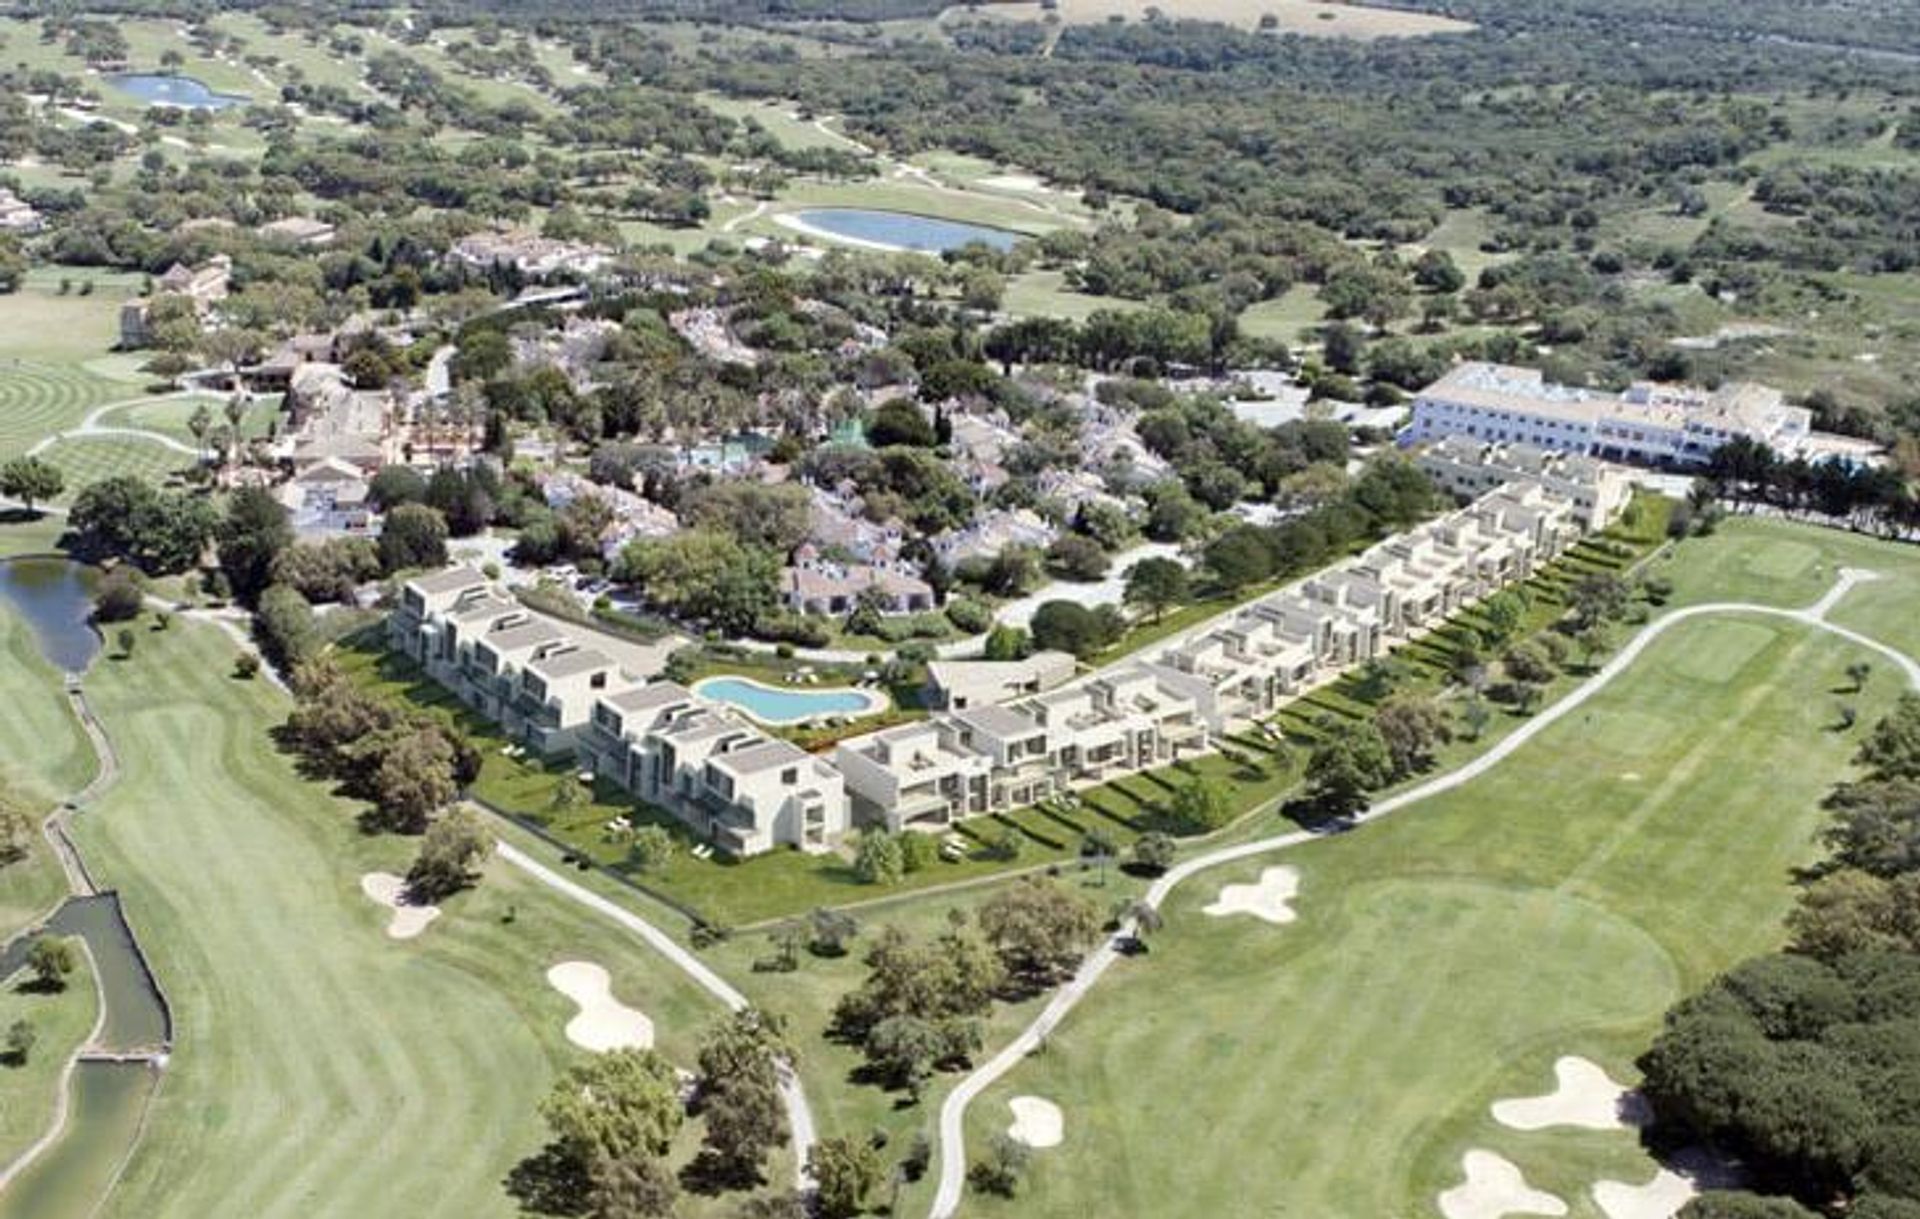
<point>119,597</point>
<point>969,615</point>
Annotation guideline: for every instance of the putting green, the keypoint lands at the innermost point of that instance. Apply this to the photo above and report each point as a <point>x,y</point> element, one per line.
<point>1445,957</point>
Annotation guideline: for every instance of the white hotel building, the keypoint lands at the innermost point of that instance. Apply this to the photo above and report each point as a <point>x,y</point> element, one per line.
<point>1649,424</point>
<point>748,792</point>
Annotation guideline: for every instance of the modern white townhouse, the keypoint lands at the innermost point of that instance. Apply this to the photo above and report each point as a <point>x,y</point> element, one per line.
<point>1471,468</point>
<point>913,775</point>
<point>1310,632</point>
<point>1649,424</point>
<point>1007,739</point>
<point>744,791</point>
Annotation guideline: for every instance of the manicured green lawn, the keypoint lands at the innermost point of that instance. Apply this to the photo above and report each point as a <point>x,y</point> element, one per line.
<point>43,757</point>
<point>50,348</point>
<point>1445,957</point>
<point>321,1068</point>
<point>88,459</point>
<point>170,415</point>
<point>62,1021</point>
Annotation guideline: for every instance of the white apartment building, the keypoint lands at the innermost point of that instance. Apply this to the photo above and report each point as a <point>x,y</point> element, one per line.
<point>1396,590</point>
<point>1470,468</point>
<point>1003,746</point>
<point>742,790</point>
<point>1650,424</point>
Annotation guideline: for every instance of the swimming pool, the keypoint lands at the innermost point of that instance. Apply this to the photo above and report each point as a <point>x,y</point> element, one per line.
<point>775,705</point>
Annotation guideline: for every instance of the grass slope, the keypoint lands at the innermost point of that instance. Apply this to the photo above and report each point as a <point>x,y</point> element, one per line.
<point>45,756</point>
<point>320,1068</point>
<point>1444,958</point>
<point>62,1021</point>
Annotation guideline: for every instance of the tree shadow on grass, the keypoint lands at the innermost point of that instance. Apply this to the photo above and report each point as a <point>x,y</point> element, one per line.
<point>549,1182</point>
<point>710,1176</point>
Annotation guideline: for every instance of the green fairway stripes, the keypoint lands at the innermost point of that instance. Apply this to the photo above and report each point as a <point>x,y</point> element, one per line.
<point>88,459</point>
<point>38,400</point>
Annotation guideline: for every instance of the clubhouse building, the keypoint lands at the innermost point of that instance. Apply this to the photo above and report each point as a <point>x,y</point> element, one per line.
<point>1650,424</point>
<point>747,792</point>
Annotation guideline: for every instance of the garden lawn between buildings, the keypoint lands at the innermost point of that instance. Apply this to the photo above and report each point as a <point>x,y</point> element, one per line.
<point>320,1068</point>
<point>1444,958</point>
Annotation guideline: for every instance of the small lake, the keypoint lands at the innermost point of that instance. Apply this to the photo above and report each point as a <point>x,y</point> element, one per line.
<point>137,1016</point>
<point>183,92</point>
<point>55,597</point>
<point>71,1179</point>
<point>903,230</point>
<point>773,705</point>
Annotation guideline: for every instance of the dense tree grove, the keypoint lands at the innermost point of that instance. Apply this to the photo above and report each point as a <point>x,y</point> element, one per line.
<point>1806,1064</point>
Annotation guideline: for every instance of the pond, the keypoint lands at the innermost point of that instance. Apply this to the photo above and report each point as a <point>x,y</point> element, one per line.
<point>109,1097</point>
<point>55,597</point>
<point>137,1017</point>
<point>773,705</point>
<point>900,230</point>
<point>183,92</point>
<point>72,1178</point>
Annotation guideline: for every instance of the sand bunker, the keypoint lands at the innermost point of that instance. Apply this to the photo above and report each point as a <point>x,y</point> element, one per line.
<point>604,1023</point>
<point>409,919</point>
<point>1660,1198</point>
<point>1269,898</point>
<point>1022,182</point>
<point>1586,1097</point>
<point>1036,1122</point>
<point>1495,1188</point>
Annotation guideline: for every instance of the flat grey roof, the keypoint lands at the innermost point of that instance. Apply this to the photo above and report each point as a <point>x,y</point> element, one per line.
<point>524,635</point>
<point>647,697</point>
<point>767,754</point>
<point>995,721</point>
<point>572,661</point>
<point>451,580</point>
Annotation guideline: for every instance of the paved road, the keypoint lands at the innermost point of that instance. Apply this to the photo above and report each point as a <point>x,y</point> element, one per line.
<point>952,1126</point>
<point>799,1113</point>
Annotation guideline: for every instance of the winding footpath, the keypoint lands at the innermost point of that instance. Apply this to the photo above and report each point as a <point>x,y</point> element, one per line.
<point>90,426</point>
<point>792,1095</point>
<point>953,1111</point>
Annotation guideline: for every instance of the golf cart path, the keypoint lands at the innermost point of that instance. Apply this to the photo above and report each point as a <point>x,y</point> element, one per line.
<point>799,1113</point>
<point>953,1110</point>
<point>91,426</point>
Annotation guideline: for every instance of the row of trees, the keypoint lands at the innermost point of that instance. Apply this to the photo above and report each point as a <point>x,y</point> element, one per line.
<point>1803,1063</point>
<point>408,763</point>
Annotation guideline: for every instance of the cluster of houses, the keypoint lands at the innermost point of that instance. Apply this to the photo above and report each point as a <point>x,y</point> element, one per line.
<point>1650,424</point>
<point>1010,734</point>
<point>529,253</point>
<point>203,287</point>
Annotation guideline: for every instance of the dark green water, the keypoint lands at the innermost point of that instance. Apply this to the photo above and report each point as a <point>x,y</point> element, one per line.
<point>137,1017</point>
<point>55,597</point>
<point>71,1178</point>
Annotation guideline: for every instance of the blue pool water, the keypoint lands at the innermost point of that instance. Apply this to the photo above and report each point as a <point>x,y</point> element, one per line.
<point>182,91</point>
<point>904,229</point>
<point>771,705</point>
